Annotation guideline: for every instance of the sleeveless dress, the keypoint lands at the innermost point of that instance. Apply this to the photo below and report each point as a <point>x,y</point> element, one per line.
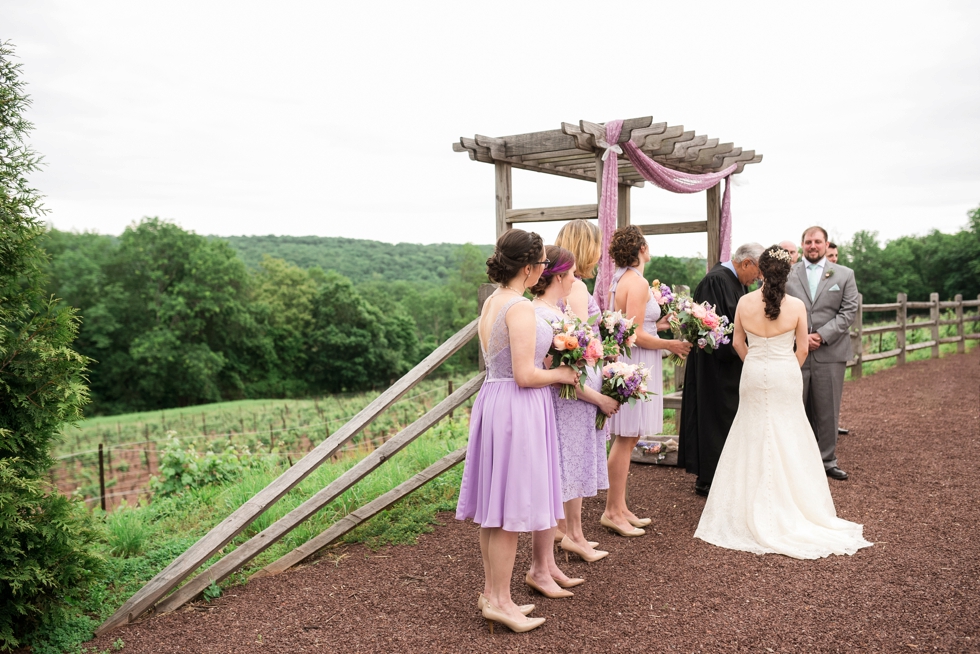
<point>641,419</point>
<point>511,477</point>
<point>581,447</point>
<point>770,492</point>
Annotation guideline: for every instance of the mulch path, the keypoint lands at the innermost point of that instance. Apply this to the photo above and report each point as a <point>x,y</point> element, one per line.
<point>912,457</point>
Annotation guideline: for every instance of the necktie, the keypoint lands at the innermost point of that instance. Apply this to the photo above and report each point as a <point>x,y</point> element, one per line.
<point>813,276</point>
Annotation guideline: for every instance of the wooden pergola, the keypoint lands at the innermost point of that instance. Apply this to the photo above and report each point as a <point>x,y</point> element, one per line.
<point>572,152</point>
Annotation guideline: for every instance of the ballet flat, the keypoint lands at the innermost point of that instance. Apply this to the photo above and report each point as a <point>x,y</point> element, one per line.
<point>569,545</point>
<point>526,609</point>
<point>560,594</point>
<point>492,614</point>
<point>639,522</point>
<point>592,543</point>
<point>609,524</point>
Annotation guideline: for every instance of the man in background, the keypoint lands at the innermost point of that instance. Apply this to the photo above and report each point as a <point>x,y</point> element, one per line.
<point>831,252</point>
<point>794,253</point>
<point>831,297</point>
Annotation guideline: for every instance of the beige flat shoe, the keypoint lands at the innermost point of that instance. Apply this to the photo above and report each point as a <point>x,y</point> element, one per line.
<point>639,522</point>
<point>612,526</point>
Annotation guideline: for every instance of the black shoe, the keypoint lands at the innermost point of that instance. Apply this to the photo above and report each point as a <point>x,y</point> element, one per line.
<point>842,431</point>
<point>836,473</point>
<point>701,488</point>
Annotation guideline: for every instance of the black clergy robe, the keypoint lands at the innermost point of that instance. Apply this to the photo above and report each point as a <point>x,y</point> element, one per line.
<point>710,398</point>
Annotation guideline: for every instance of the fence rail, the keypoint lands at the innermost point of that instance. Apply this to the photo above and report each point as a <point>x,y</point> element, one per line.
<point>903,325</point>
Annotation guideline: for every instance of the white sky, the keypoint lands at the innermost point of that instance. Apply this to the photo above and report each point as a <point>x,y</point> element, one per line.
<point>337,119</point>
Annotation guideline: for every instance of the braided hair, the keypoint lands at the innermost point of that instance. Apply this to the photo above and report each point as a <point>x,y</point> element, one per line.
<point>774,265</point>
<point>515,249</point>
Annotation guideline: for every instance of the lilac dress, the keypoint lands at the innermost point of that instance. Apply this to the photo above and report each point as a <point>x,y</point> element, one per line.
<point>581,447</point>
<point>641,419</point>
<point>511,477</point>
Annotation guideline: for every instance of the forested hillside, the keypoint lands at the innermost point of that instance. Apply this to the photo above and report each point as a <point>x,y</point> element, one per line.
<point>172,318</point>
<point>356,259</point>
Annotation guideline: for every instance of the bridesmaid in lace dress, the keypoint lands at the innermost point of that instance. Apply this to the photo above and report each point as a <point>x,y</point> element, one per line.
<point>510,480</point>
<point>630,293</point>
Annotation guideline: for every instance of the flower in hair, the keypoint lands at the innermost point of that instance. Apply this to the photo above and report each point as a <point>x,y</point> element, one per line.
<point>781,254</point>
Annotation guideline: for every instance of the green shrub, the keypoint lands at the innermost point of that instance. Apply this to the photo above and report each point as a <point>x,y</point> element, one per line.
<point>126,532</point>
<point>184,468</point>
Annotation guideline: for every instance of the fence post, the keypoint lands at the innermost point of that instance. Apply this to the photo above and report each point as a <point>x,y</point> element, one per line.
<point>101,478</point>
<point>449,391</point>
<point>901,315</point>
<point>858,351</point>
<point>960,331</point>
<point>934,317</point>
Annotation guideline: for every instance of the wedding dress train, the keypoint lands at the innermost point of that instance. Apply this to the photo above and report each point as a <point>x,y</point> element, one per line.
<point>770,492</point>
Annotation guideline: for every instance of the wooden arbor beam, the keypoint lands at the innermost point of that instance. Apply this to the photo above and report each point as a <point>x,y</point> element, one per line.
<point>546,214</point>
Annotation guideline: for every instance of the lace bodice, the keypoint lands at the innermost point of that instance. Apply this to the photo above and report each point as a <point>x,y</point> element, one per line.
<point>652,313</point>
<point>497,353</point>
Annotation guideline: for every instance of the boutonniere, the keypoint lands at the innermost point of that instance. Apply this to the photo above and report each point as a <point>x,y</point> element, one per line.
<point>829,274</point>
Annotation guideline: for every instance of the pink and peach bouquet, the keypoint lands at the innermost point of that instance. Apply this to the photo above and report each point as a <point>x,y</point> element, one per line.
<point>623,382</point>
<point>576,345</point>
<point>618,334</point>
<point>699,324</point>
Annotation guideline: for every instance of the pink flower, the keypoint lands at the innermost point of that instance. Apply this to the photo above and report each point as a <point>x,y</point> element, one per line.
<point>657,295</point>
<point>559,342</point>
<point>698,311</point>
<point>631,340</point>
<point>593,351</point>
<point>710,321</point>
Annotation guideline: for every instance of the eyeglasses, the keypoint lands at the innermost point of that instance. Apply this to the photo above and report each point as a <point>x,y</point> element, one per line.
<point>546,262</point>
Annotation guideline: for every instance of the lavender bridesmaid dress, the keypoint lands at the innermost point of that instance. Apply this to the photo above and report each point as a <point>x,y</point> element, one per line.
<point>511,477</point>
<point>641,419</point>
<point>581,447</point>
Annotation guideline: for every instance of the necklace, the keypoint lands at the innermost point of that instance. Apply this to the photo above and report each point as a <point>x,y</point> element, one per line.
<point>512,290</point>
<point>546,303</point>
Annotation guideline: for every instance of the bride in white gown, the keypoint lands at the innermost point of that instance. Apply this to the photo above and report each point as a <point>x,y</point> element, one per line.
<point>770,492</point>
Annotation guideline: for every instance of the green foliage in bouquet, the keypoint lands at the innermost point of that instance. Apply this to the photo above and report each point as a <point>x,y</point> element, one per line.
<point>46,557</point>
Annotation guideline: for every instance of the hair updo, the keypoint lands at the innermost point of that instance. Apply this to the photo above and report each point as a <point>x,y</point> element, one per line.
<point>561,262</point>
<point>774,264</point>
<point>626,245</point>
<point>515,249</point>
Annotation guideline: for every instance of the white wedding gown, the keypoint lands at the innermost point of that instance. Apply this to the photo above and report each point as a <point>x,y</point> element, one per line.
<point>770,491</point>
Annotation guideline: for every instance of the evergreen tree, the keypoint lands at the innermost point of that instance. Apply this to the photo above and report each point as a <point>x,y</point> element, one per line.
<point>45,554</point>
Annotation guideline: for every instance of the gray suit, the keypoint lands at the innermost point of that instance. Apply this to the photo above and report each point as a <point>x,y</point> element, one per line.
<point>830,314</point>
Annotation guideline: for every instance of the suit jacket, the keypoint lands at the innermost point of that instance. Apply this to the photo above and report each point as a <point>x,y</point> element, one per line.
<point>832,310</point>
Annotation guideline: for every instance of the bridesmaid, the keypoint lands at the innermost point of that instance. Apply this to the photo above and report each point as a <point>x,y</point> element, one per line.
<point>511,480</point>
<point>630,293</point>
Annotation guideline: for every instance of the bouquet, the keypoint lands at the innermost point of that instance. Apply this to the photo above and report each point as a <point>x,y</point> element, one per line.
<point>699,324</point>
<point>623,382</point>
<point>575,344</point>
<point>664,295</point>
<point>618,334</point>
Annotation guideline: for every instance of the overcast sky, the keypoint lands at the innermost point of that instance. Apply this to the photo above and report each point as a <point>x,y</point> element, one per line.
<point>337,119</point>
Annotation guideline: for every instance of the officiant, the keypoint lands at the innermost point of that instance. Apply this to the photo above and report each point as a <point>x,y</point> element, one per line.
<point>710,399</point>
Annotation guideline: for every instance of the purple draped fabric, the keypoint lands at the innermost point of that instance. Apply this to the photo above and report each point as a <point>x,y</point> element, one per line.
<point>608,208</point>
<point>665,178</point>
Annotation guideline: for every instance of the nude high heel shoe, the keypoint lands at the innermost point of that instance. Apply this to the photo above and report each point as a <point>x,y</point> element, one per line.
<point>592,543</point>
<point>526,609</point>
<point>609,524</point>
<point>569,545</point>
<point>492,614</point>
<point>550,595</point>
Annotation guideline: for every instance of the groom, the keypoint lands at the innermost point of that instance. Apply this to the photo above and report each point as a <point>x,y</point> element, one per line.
<point>831,297</point>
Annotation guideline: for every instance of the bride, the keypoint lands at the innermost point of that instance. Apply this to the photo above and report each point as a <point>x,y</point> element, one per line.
<point>770,492</point>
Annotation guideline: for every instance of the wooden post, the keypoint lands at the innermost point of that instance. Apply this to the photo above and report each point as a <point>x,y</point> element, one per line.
<point>858,370</point>
<point>623,206</point>
<point>599,165</point>
<point>449,391</point>
<point>146,457</point>
<point>901,315</point>
<point>482,294</point>
<point>504,199</point>
<point>108,459</point>
<point>101,478</point>
<point>960,331</point>
<point>934,317</point>
<point>714,225</point>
